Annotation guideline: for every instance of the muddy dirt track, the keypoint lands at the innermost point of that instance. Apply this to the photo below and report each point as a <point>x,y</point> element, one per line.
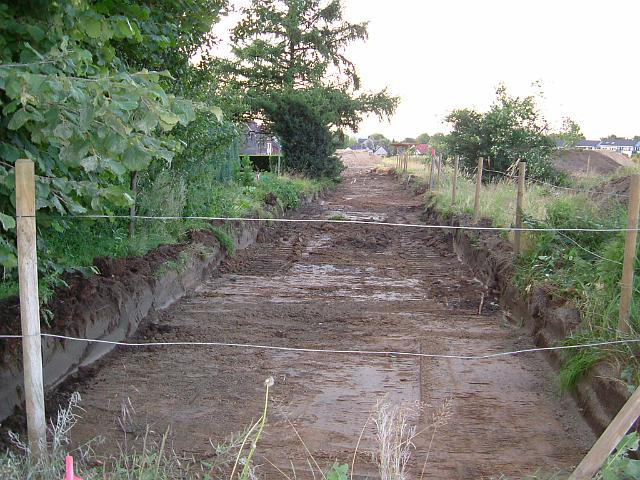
<point>343,287</point>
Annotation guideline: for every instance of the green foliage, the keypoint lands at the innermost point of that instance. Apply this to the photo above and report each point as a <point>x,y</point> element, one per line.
<point>307,143</point>
<point>245,175</point>
<point>619,465</point>
<point>570,133</point>
<point>71,105</point>
<point>338,472</point>
<point>423,138</point>
<point>585,267</point>
<point>292,43</point>
<point>512,130</point>
<point>285,48</point>
<point>576,365</point>
<point>225,239</point>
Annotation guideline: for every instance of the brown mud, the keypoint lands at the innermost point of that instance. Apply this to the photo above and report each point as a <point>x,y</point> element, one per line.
<point>346,287</point>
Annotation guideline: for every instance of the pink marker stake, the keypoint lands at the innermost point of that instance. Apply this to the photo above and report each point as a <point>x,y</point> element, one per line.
<point>69,473</point>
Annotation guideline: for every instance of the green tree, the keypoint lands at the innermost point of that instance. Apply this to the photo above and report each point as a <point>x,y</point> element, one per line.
<point>423,138</point>
<point>302,131</point>
<point>71,104</point>
<point>294,48</point>
<point>510,131</point>
<point>379,139</point>
<point>570,133</point>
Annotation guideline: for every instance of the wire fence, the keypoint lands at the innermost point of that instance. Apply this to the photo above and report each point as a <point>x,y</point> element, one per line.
<point>353,222</point>
<point>386,353</point>
<point>557,187</point>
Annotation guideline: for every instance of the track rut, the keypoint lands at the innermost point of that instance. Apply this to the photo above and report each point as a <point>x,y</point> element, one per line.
<point>343,287</point>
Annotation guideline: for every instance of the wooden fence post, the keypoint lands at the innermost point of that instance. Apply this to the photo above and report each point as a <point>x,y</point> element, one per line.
<point>630,249</point>
<point>609,440</point>
<point>454,182</point>
<point>439,170</point>
<point>431,172</point>
<point>522,171</point>
<point>29,305</point>
<point>476,207</point>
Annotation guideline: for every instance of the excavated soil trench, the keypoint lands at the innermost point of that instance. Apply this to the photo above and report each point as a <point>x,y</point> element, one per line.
<point>333,286</point>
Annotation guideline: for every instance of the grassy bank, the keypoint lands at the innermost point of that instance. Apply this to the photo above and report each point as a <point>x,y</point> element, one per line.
<point>83,240</point>
<point>583,267</point>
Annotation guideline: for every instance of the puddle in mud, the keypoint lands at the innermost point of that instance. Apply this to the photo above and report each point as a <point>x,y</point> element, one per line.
<point>306,281</point>
<point>356,216</point>
<point>344,397</point>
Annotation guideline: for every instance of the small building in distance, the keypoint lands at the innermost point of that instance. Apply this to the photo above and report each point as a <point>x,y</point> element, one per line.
<point>264,150</point>
<point>588,144</point>
<point>422,149</point>
<point>620,145</point>
<point>381,152</point>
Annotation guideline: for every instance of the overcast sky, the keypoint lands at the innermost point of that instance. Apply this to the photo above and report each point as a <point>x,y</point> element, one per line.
<point>439,55</point>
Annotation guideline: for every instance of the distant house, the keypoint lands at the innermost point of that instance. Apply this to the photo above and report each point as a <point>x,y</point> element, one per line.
<point>381,152</point>
<point>363,144</point>
<point>620,145</point>
<point>422,149</point>
<point>588,144</point>
<point>561,144</point>
<point>264,150</point>
<point>636,149</point>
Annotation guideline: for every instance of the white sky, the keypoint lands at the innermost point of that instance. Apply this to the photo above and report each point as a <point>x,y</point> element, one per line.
<point>439,55</point>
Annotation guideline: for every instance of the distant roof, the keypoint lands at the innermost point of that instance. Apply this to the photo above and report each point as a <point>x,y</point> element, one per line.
<point>422,148</point>
<point>381,151</point>
<point>256,141</point>
<point>618,142</point>
<point>561,143</point>
<point>588,143</point>
<point>358,146</point>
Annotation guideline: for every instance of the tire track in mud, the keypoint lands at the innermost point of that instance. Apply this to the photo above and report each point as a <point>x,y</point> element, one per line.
<point>343,287</point>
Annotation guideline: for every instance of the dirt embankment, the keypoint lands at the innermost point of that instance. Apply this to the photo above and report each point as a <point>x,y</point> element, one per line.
<point>341,287</point>
<point>111,306</point>
<point>548,318</point>
<point>595,162</point>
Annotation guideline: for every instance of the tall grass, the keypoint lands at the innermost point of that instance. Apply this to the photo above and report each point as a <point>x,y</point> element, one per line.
<point>85,239</point>
<point>583,267</point>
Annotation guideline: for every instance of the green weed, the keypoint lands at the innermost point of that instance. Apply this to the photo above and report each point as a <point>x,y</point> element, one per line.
<point>225,239</point>
<point>583,267</point>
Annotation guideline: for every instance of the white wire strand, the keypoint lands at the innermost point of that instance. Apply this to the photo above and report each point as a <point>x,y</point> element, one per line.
<point>589,251</point>
<point>357,222</point>
<point>330,351</point>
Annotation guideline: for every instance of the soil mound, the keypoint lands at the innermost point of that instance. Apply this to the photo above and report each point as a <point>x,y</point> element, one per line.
<point>620,187</point>
<point>577,162</point>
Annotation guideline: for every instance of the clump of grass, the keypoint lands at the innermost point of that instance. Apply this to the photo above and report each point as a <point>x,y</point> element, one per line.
<point>20,463</point>
<point>584,267</point>
<point>225,239</point>
<point>395,432</point>
<point>576,365</point>
<point>153,460</point>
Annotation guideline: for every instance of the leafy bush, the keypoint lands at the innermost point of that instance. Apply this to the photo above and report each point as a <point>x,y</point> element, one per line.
<point>309,147</point>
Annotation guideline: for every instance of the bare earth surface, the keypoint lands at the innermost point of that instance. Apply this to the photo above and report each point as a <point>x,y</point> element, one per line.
<point>343,287</point>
